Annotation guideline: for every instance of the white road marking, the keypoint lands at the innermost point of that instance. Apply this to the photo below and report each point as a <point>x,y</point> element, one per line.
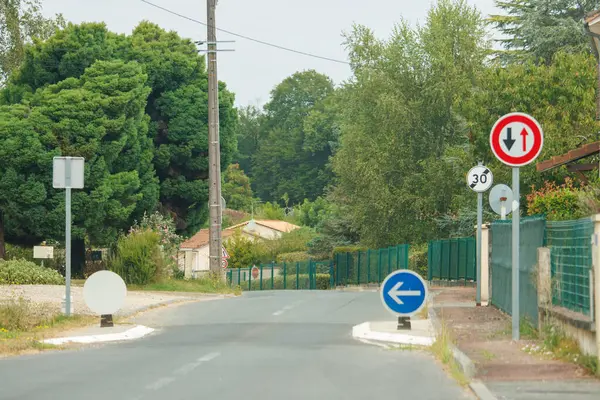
<point>160,383</point>
<point>287,308</point>
<point>191,366</point>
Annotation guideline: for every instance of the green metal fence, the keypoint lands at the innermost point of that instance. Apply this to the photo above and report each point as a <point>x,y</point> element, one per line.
<point>370,266</point>
<point>531,238</point>
<point>571,263</point>
<point>452,259</point>
<point>304,275</point>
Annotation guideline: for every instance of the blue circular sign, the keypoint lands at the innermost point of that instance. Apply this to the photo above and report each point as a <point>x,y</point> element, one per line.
<point>403,293</point>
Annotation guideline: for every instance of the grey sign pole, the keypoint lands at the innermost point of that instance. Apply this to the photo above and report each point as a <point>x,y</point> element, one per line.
<point>515,253</point>
<point>478,246</point>
<point>68,236</point>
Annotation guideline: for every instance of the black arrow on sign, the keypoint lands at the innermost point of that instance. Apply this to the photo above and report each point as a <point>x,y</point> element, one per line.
<point>509,141</point>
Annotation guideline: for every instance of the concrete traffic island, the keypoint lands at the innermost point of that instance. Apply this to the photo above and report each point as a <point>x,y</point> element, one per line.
<point>422,333</point>
<point>97,334</point>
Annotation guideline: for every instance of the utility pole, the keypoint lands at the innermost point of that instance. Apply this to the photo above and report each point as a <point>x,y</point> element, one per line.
<point>214,151</point>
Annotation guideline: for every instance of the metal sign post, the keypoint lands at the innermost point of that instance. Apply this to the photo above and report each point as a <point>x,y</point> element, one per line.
<point>68,174</point>
<point>516,152</point>
<point>479,179</point>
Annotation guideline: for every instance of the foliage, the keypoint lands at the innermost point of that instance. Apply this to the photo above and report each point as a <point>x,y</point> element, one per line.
<point>295,256</point>
<point>299,133</point>
<point>199,285</point>
<point>461,223</point>
<point>418,259</point>
<point>538,29</point>
<point>397,164</point>
<point>23,272</point>
<point>589,198</point>
<point>289,242</point>
<point>165,227</point>
<point>348,249</point>
<point>139,260</point>
<point>556,202</point>
<point>236,189</point>
<point>270,211</point>
<point>311,213</point>
<point>249,136</point>
<point>21,22</point>
<point>20,314</point>
<point>244,252</point>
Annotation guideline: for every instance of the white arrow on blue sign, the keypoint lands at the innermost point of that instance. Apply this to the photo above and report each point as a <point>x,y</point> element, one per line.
<point>403,293</point>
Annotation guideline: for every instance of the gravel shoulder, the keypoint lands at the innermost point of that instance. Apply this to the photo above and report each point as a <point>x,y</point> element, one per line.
<point>136,301</point>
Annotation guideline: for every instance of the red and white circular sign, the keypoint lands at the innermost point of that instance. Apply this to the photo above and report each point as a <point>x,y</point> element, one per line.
<point>517,139</point>
<point>255,272</point>
<point>224,262</point>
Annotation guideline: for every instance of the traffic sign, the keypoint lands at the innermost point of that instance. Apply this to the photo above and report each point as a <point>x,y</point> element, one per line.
<point>255,272</point>
<point>516,139</point>
<point>403,293</point>
<point>480,179</point>
<point>224,262</point>
<point>501,196</point>
<point>225,254</point>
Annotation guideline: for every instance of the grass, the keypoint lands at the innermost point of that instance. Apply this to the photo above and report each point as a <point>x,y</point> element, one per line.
<point>424,313</point>
<point>527,331</point>
<point>204,285</point>
<point>488,355</point>
<point>24,324</point>
<point>442,349</point>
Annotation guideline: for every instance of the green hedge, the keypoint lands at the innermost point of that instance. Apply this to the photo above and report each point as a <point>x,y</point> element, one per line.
<point>418,260</point>
<point>23,272</point>
<point>297,256</point>
<point>348,249</point>
<point>323,282</point>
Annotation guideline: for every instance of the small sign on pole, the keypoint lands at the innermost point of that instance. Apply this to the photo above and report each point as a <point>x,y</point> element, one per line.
<point>479,179</point>
<point>68,173</point>
<point>516,140</point>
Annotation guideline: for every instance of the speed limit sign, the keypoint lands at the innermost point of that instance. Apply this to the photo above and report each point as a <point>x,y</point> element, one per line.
<point>480,179</point>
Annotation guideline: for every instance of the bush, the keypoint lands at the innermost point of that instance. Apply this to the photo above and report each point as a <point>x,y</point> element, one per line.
<point>348,249</point>
<point>19,314</point>
<point>296,256</point>
<point>418,260</point>
<point>139,259</point>
<point>164,226</point>
<point>557,203</point>
<point>23,272</point>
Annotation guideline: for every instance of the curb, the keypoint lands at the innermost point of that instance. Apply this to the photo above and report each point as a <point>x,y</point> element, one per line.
<point>134,333</point>
<point>466,365</point>
<point>363,332</point>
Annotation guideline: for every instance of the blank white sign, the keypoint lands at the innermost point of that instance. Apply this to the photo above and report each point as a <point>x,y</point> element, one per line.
<point>104,292</point>
<point>67,172</point>
<point>43,252</point>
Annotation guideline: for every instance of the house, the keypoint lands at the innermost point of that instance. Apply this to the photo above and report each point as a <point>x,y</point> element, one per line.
<point>194,252</point>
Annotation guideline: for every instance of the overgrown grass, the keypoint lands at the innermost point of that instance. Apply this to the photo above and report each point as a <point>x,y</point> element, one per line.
<point>442,349</point>
<point>24,324</point>
<point>557,344</point>
<point>202,285</point>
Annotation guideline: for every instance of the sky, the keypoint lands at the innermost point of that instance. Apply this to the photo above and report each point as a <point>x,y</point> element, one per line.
<point>253,69</point>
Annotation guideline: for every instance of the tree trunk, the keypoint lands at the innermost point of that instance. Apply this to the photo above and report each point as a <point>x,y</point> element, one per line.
<point>2,247</point>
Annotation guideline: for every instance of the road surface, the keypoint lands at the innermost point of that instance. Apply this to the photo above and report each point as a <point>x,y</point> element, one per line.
<point>263,345</point>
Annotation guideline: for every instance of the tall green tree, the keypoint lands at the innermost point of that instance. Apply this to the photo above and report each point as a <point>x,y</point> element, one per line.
<point>538,29</point>
<point>22,22</point>
<point>300,135</point>
<point>236,189</point>
<point>399,125</point>
<point>176,105</point>
<point>249,137</point>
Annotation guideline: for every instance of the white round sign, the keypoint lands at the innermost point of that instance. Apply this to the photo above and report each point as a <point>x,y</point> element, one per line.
<point>480,179</point>
<point>104,292</point>
<point>502,196</point>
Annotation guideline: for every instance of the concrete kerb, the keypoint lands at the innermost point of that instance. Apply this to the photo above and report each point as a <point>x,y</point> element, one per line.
<point>466,365</point>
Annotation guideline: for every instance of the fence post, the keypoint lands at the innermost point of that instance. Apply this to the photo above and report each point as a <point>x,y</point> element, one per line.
<point>272,275</point>
<point>239,276</point>
<point>596,283</point>
<point>336,268</point>
<point>544,284</point>
<point>284,275</point>
<point>297,275</point>
<point>389,260</point>
<point>250,279</point>
<point>485,264</point>
<point>378,265</point>
<point>261,278</point>
<point>368,265</point>
<point>347,267</point>
<point>358,270</point>
<point>331,282</point>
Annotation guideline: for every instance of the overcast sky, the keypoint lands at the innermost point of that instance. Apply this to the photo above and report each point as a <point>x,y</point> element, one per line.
<point>251,72</point>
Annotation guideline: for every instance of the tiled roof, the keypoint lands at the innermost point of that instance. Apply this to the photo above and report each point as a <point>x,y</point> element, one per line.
<point>280,226</point>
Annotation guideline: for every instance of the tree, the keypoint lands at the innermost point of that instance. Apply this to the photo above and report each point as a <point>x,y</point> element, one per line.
<point>399,125</point>
<point>236,189</point>
<point>176,106</point>
<point>99,116</point>
<point>300,136</point>
<point>249,137</point>
<point>538,29</point>
<point>21,22</point>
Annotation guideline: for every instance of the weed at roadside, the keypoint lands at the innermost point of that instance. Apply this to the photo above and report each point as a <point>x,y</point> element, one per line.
<point>442,349</point>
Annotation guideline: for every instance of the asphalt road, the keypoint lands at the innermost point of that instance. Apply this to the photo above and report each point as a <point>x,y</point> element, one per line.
<point>263,345</point>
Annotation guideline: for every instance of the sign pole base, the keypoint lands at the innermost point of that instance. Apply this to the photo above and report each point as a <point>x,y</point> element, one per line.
<point>106,321</point>
<point>404,324</point>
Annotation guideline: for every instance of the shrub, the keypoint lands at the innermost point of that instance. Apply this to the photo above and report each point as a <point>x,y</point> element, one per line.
<point>23,272</point>
<point>557,203</point>
<point>19,314</point>
<point>296,256</point>
<point>418,261</point>
<point>164,226</point>
<point>244,252</point>
<point>139,259</point>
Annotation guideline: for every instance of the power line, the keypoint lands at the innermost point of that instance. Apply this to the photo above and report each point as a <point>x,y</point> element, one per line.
<point>246,37</point>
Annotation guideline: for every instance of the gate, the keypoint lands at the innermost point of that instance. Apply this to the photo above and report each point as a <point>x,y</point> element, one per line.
<point>452,259</point>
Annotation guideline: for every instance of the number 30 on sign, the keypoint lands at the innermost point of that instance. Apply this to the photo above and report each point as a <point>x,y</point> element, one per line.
<point>480,179</point>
